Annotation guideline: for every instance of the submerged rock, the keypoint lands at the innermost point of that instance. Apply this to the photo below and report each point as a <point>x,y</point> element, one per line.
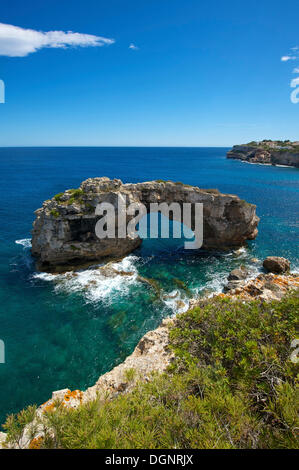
<point>64,229</point>
<point>238,274</point>
<point>275,264</point>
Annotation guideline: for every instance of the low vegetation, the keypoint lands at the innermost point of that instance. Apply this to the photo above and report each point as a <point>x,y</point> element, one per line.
<point>75,195</point>
<point>280,146</point>
<point>55,213</point>
<point>58,196</point>
<point>232,385</point>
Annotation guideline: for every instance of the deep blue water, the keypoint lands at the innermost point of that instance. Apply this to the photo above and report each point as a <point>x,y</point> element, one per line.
<point>64,332</point>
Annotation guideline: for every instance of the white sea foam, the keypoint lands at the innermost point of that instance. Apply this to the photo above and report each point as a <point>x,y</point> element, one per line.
<point>25,242</point>
<point>176,301</point>
<point>215,284</point>
<point>240,250</point>
<point>256,163</point>
<point>286,166</point>
<point>93,283</point>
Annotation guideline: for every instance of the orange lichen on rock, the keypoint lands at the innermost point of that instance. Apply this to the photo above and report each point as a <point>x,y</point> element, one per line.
<point>36,443</point>
<point>49,407</point>
<point>75,394</point>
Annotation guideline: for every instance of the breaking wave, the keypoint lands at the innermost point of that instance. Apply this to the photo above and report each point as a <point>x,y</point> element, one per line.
<point>25,242</point>
<point>100,282</point>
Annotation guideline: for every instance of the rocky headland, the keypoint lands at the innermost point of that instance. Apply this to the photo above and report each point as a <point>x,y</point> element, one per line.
<point>64,229</point>
<point>267,152</point>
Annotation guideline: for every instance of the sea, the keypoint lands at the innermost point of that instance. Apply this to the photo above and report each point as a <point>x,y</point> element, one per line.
<point>64,331</point>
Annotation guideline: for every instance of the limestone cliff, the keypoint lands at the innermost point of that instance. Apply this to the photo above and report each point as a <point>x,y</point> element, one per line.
<point>267,152</point>
<point>64,229</point>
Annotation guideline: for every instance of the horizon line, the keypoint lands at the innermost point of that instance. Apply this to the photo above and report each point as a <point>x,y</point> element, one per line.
<point>116,146</point>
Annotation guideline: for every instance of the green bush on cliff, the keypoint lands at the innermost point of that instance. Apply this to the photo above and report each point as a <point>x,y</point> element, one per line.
<point>76,193</point>
<point>55,213</point>
<point>232,385</point>
<point>15,424</point>
<point>58,196</point>
<point>76,196</point>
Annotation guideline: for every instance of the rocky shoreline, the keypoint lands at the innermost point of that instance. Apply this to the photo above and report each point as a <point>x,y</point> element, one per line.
<point>267,152</point>
<point>153,355</point>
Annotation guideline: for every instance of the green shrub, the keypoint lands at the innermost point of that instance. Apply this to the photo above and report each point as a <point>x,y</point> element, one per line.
<point>15,424</point>
<point>55,213</point>
<point>76,193</point>
<point>130,374</point>
<point>58,196</point>
<point>76,196</point>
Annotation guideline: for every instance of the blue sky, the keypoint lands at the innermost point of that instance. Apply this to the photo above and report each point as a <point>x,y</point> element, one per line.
<point>203,73</point>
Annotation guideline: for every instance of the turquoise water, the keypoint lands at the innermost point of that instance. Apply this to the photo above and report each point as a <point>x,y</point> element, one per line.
<point>64,331</point>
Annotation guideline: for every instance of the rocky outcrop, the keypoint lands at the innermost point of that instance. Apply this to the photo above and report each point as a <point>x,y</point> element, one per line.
<point>150,355</point>
<point>275,264</point>
<point>236,278</point>
<point>238,282</point>
<point>64,229</point>
<point>238,274</point>
<point>267,152</point>
<point>265,287</point>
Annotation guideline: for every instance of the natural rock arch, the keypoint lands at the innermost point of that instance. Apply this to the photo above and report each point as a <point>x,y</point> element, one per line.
<point>64,229</point>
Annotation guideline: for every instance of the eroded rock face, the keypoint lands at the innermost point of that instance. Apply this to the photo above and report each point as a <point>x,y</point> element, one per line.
<point>275,264</point>
<point>267,152</point>
<point>64,228</point>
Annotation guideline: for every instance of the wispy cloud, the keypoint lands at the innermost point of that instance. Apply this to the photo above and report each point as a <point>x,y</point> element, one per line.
<point>285,58</point>
<point>293,55</point>
<point>296,70</point>
<point>19,42</point>
<point>133,47</point>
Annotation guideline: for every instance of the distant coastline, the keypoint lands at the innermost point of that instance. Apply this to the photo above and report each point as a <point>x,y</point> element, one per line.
<point>267,152</point>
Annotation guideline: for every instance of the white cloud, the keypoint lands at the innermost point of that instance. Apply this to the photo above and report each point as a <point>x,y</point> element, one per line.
<point>133,47</point>
<point>296,70</point>
<point>19,42</point>
<point>285,58</point>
